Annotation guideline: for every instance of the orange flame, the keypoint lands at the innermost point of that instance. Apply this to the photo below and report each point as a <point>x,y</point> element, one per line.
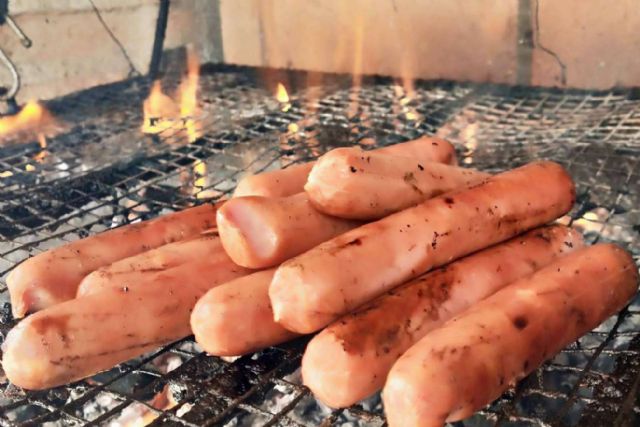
<point>159,111</point>
<point>200,175</point>
<point>32,118</point>
<point>42,140</point>
<point>189,97</point>
<point>162,113</point>
<point>141,415</point>
<point>281,94</point>
<point>283,97</point>
<point>357,64</point>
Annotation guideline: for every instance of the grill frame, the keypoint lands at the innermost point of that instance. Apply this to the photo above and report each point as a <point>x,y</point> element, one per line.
<point>595,134</point>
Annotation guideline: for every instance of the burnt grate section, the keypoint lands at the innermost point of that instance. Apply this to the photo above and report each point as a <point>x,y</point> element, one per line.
<point>114,175</point>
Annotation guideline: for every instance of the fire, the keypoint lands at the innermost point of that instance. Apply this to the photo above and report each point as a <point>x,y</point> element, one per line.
<point>32,118</point>
<point>592,221</point>
<point>405,95</point>
<point>189,97</point>
<point>162,113</point>
<point>159,111</point>
<point>42,140</point>
<point>200,174</point>
<point>281,94</point>
<point>283,97</point>
<point>139,415</point>
<point>357,65</point>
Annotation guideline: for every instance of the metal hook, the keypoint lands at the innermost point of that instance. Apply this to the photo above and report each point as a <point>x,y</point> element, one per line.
<point>26,41</point>
<point>15,86</point>
<point>9,95</point>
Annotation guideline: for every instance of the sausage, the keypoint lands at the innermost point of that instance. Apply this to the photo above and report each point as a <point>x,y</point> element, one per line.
<point>53,276</point>
<point>291,180</point>
<point>276,183</point>
<point>472,359</point>
<point>315,288</point>
<point>80,337</point>
<point>261,232</point>
<point>352,183</point>
<point>350,359</point>
<point>236,318</point>
<point>205,253</point>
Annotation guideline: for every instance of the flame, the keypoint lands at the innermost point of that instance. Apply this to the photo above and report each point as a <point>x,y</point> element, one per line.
<point>200,174</point>
<point>42,140</point>
<point>162,113</point>
<point>357,65</point>
<point>281,94</point>
<point>29,117</point>
<point>32,118</point>
<point>405,96</point>
<point>283,97</point>
<point>159,111</point>
<point>6,174</point>
<point>141,415</point>
<point>592,221</point>
<point>189,96</point>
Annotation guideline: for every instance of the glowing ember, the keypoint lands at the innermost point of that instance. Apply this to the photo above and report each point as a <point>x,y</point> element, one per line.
<point>139,415</point>
<point>283,97</point>
<point>293,127</point>
<point>592,221</point>
<point>162,113</point>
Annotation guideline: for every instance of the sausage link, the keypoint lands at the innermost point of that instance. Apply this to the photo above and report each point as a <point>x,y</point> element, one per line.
<point>472,359</point>
<point>81,337</point>
<point>351,358</point>
<point>315,288</point>
<point>261,232</point>
<point>53,276</point>
<point>291,180</point>
<point>204,253</point>
<point>355,184</point>
<point>236,318</point>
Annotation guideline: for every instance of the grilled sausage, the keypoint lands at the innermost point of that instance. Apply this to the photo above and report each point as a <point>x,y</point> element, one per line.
<point>350,359</point>
<point>291,180</point>
<point>471,360</point>
<point>315,288</point>
<point>351,183</point>
<point>205,253</point>
<point>53,276</point>
<point>236,318</point>
<point>260,232</point>
<point>83,336</point>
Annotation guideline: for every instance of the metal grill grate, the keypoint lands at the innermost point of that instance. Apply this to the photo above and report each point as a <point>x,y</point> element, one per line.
<point>100,172</point>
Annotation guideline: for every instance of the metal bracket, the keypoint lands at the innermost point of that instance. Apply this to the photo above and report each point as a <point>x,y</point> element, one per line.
<point>9,94</point>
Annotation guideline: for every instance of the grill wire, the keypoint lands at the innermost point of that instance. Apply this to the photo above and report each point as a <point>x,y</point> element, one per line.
<point>101,172</point>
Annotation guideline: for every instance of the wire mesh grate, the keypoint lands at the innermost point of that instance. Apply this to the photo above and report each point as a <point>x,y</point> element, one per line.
<point>101,172</point>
